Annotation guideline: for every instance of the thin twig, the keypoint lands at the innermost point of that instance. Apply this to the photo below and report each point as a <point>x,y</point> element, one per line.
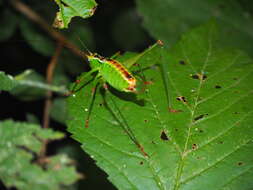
<point>49,93</point>
<point>29,13</point>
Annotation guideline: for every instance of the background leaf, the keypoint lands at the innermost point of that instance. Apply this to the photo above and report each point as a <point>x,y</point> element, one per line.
<point>9,23</point>
<point>196,130</point>
<point>19,144</point>
<point>168,19</point>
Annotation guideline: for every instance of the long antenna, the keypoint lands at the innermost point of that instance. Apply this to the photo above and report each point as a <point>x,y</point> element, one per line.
<point>89,53</point>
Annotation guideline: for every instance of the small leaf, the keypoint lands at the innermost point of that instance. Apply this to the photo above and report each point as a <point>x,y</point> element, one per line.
<point>72,8</point>
<point>206,131</point>
<point>7,82</point>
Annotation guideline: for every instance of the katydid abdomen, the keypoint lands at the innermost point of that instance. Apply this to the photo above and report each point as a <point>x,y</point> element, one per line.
<point>113,73</point>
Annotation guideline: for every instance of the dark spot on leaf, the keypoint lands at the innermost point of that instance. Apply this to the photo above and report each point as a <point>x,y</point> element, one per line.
<point>217,86</point>
<point>195,76</point>
<point>145,120</point>
<point>236,112</point>
<point>182,99</point>
<point>153,142</point>
<point>198,157</point>
<point>199,76</point>
<point>204,77</point>
<point>220,142</point>
<point>200,117</point>
<point>164,136</point>
<point>100,104</point>
<point>141,162</point>
<point>240,163</point>
<point>176,129</point>
<point>201,131</point>
<point>235,78</point>
<point>194,146</point>
<point>182,62</point>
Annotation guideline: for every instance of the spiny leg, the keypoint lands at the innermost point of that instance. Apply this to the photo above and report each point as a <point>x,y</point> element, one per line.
<point>123,123</point>
<point>86,75</point>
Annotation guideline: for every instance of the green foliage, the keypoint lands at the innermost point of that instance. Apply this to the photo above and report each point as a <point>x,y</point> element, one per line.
<point>168,19</point>
<point>20,144</point>
<point>28,85</point>
<point>196,130</point>
<point>6,82</point>
<point>72,8</point>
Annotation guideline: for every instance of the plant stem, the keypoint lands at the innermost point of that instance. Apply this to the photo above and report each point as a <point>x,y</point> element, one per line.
<point>49,93</point>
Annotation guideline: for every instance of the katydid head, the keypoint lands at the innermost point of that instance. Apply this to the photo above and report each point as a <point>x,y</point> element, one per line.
<point>95,60</point>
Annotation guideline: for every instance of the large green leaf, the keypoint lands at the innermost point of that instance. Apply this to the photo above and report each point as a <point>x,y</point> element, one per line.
<point>20,144</point>
<point>72,8</point>
<point>168,19</point>
<point>194,121</point>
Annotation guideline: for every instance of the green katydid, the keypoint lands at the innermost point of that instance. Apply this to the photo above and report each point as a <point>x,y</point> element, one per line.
<point>118,76</point>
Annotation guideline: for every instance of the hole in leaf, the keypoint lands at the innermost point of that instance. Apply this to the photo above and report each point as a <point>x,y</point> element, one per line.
<point>181,99</point>
<point>194,146</point>
<point>141,162</point>
<point>198,76</point>
<point>182,62</point>
<point>217,86</point>
<point>164,136</point>
<point>200,117</point>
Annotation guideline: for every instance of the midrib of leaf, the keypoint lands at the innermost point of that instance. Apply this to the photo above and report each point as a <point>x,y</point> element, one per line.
<point>193,110</point>
<point>155,176</point>
<point>162,126</point>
